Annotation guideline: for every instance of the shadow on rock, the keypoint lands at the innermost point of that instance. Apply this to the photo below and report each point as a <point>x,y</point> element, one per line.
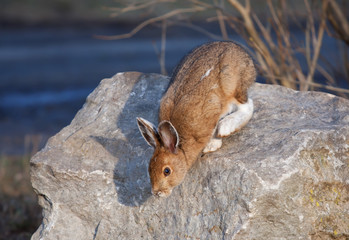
<point>130,172</point>
<point>131,176</point>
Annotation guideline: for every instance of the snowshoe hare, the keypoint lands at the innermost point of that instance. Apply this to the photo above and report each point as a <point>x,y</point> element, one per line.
<point>205,101</point>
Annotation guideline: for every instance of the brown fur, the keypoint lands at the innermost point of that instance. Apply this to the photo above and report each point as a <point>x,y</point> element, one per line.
<point>194,103</point>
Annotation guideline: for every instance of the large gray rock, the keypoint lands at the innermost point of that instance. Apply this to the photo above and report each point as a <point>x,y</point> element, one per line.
<point>284,176</point>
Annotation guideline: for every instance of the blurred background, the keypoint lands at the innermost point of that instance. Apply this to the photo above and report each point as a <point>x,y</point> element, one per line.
<point>54,53</point>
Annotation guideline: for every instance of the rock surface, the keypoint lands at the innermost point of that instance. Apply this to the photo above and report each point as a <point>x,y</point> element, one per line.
<point>283,176</point>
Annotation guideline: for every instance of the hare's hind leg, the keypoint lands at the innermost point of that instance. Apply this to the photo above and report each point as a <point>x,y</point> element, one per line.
<point>236,120</point>
<point>213,145</point>
<point>230,124</point>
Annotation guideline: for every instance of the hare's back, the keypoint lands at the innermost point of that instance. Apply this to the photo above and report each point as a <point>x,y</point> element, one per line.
<point>203,65</point>
<point>198,89</point>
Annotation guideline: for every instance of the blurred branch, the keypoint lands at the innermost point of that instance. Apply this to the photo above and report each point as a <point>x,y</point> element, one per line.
<point>198,29</point>
<point>135,7</point>
<point>162,53</point>
<point>221,22</point>
<point>317,41</point>
<point>150,21</point>
<point>338,21</point>
<point>202,4</point>
<point>327,87</point>
<point>284,52</point>
<point>270,66</point>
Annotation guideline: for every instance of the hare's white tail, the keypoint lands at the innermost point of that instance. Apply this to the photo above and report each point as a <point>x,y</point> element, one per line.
<point>236,120</point>
<point>230,124</point>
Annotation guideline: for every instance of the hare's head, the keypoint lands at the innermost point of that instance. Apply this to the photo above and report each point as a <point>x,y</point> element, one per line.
<point>167,167</point>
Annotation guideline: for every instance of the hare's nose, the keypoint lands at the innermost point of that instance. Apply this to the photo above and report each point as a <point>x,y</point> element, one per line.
<point>161,193</point>
<point>155,192</point>
<point>158,193</point>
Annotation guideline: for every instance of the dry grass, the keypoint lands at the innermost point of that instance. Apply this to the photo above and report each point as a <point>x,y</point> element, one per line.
<point>282,58</point>
<point>20,214</point>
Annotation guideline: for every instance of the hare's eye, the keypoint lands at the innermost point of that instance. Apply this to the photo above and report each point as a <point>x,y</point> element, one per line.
<point>167,171</point>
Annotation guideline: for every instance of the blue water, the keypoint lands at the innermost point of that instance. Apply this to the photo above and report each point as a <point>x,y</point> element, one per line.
<point>50,65</point>
<point>42,98</point>
<point>47,73</point>
<point>71,58</point>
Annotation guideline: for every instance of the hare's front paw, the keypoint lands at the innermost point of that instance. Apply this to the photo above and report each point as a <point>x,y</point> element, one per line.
<point>236,120</point>
<point>213,145</point>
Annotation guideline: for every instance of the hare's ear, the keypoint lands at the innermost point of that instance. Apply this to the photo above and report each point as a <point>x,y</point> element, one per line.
<point>148,131</point>
<point>169,136</point>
